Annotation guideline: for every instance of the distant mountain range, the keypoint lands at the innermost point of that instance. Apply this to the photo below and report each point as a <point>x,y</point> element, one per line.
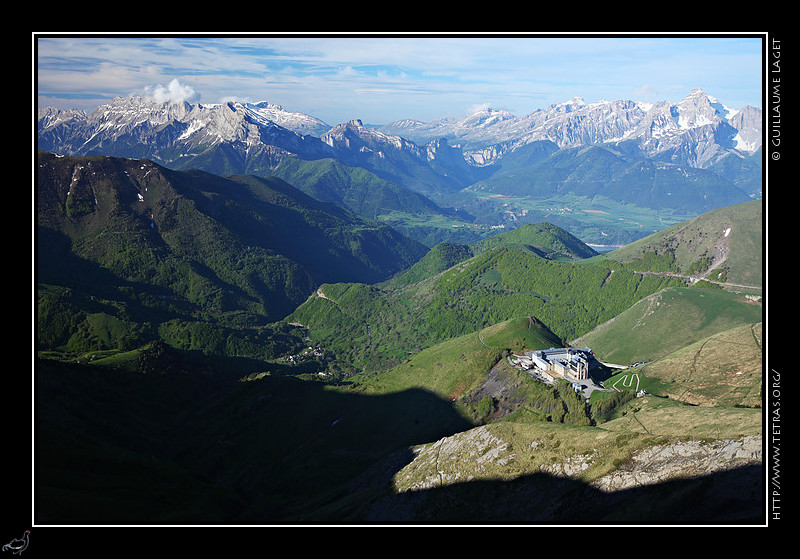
<point>694,155</point>
<point>698,131</point>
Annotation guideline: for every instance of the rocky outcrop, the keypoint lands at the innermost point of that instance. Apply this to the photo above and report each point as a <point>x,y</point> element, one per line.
<point>458,458</point>
<point>478,453</point>
<point>682,459</point>
<point>480,476</point>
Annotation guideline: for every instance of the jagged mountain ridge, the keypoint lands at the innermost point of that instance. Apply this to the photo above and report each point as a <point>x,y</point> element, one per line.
<point>485,135</point>
<point>658,128</point>
<point>242,138</point>
<point>227,138</point>
<point>436,159</point>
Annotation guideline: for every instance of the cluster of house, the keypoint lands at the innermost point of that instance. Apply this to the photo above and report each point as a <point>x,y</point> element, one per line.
<point>568,363</point>
<point>310,353</point>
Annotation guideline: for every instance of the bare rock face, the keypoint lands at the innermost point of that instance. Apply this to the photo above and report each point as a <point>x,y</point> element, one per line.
<point>685,459</point>
<point>458,458</point>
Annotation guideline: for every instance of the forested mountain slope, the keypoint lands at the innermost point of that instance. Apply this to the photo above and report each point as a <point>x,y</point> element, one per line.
<point>156,245</point>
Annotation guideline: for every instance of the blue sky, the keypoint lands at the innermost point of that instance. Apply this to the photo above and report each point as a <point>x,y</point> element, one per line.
<point>385,78</point>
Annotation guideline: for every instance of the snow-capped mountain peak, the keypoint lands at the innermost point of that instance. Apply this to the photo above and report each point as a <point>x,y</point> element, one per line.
<point>698,109</point>
<point>574,103</point>
<point>698,130</point>
<point>354,135</point>
<point>656,127</point>
<point>170,132</point>
<point>297,122</point>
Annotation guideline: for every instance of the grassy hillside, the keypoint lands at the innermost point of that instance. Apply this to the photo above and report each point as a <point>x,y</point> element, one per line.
<point>448,369</point>
<point>703,404</point>
<point>509,277</point>
<point>453,367</point>
<point>663,417</point>
<point>724,369</point>
<point>544,239</point>
<point>728,240</point>
<point>568,297</point>
<point>667,321</point>
<point>373,328</point>
<point>548,240</point>
<point>437,260</point>
<point>518,334</point>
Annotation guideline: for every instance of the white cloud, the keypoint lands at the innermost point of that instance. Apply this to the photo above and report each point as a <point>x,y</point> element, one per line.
<point>478,108</point>
<point>175,92</point>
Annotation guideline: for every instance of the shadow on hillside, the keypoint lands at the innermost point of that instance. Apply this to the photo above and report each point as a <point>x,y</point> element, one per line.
<point>731,497</point>
<point>120,448</point>
<point>116,447</point>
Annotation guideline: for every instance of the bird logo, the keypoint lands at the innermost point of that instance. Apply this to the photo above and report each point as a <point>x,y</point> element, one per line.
<point>18,545</point>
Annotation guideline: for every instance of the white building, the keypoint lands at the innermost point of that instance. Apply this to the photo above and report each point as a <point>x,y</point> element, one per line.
<point>564,362</point>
